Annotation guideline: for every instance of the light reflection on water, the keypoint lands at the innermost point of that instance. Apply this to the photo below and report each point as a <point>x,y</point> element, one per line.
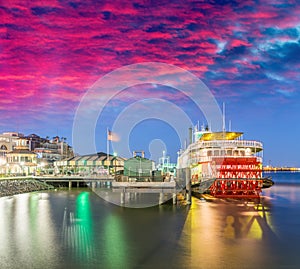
<point>230,235</point>
<point>27,232</point>
<point>77,234</point>
<point>77,229</point>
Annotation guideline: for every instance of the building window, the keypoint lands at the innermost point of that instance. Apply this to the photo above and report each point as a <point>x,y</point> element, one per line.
<point>3,147</point>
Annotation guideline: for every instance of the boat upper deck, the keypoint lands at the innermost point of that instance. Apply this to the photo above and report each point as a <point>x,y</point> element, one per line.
<point>252,144</point>
<point>210,136</point>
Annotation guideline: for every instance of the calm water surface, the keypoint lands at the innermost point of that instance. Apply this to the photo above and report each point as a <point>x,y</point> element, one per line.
<point>77,229</point>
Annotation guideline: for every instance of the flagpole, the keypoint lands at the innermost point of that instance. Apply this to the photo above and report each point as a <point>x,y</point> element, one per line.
<point>224,127</point>
<point>107,150</point>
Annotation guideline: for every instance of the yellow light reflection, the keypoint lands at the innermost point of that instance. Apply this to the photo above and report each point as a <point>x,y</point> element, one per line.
<point>5,224</point>
<point>202,228</point>
<point>44,232</point>
<point>21,225</point>
<point>218,229</point>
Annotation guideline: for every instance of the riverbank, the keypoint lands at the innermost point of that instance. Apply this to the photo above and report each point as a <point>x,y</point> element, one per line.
<point>12,187</point>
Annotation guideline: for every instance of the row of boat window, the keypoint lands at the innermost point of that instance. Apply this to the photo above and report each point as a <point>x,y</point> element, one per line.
<point>224,153</point>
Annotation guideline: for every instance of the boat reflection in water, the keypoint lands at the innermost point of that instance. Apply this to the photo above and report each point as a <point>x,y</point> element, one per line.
<point>227,234</point>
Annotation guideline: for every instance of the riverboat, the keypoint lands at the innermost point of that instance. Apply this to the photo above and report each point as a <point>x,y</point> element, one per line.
<point>223,164</point>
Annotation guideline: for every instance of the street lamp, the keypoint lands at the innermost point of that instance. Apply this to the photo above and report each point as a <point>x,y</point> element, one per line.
<point>7,169</point>
<point>2,162</point>
<point>22,167</point>
<point>115,155</point>
<point>140,170</point>
<point>42,166</point>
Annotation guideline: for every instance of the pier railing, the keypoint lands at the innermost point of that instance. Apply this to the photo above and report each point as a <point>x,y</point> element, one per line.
<point>62,178</point>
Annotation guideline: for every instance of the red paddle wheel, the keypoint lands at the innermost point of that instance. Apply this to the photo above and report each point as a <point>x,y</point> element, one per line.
<point>237,177</point>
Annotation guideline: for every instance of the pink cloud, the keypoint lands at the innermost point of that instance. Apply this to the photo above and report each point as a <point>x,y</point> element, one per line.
<point>237,43</point>
<point>49,60</point>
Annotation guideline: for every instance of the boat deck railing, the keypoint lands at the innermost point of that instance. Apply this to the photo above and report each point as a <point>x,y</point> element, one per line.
<point>200,159</point>
<point>227,144</point>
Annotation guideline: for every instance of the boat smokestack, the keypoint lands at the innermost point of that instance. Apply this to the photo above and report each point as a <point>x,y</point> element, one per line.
<point>190,135</point>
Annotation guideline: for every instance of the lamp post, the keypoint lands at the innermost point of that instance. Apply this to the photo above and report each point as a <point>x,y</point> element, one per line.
<point>115,155</point>
<point>2,162</point>
<point>22,167</point>
<point>140,169</point>
<point>42,166</point>
<point>7,169</point>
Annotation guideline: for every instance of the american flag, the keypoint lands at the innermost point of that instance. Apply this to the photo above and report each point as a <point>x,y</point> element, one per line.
<point>111,136</point>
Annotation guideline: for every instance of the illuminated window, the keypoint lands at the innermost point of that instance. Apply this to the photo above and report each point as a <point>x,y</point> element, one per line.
<point>229,152</point>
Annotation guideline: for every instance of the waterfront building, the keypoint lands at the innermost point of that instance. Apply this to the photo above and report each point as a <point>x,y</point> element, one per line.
<point>35,141</point>
<point>138,166</point>
<point>21,161</point>
<point>97,164</point>
<point>8,141</point>
<point>48,151</point>
<point>21,154</point>
<point>53,150</point>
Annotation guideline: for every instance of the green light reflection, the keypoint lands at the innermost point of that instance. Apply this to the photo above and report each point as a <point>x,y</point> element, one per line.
<point>77,231</point>
<point>83,227</point>
<point>115,243</point>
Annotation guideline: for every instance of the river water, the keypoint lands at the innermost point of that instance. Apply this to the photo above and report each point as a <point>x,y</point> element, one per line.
<point>78,229</point>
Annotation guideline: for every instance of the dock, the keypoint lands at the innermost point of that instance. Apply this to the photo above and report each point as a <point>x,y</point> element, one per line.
<point>125,188</point>
<point>65,180</point>
<point>146,187</point>
<point>77,180</point>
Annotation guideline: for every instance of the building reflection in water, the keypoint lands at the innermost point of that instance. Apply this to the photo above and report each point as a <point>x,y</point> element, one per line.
<point>29,237</point>
<point>77,234</point>
<point>6,206</point>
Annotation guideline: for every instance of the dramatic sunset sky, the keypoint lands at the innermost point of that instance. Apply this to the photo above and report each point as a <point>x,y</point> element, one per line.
<point>247,53</point>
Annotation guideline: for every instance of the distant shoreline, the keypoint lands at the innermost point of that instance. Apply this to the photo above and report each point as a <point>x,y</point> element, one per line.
<point>275,169</point>
<point>10,187</point>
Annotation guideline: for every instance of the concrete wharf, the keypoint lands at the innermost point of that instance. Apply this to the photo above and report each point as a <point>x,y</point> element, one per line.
<point>146,187</point>
<point>122,187</point>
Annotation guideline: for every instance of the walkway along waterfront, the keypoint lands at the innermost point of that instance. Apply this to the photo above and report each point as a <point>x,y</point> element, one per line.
<point>69,181</point>
<point>146,187</point>
<point>15,185</point>
<point>123,188</point>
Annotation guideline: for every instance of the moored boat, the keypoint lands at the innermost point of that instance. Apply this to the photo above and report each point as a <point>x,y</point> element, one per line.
<point>223,164</point>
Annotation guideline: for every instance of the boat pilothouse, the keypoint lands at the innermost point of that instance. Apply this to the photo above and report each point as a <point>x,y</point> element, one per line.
<point>223,163</point>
